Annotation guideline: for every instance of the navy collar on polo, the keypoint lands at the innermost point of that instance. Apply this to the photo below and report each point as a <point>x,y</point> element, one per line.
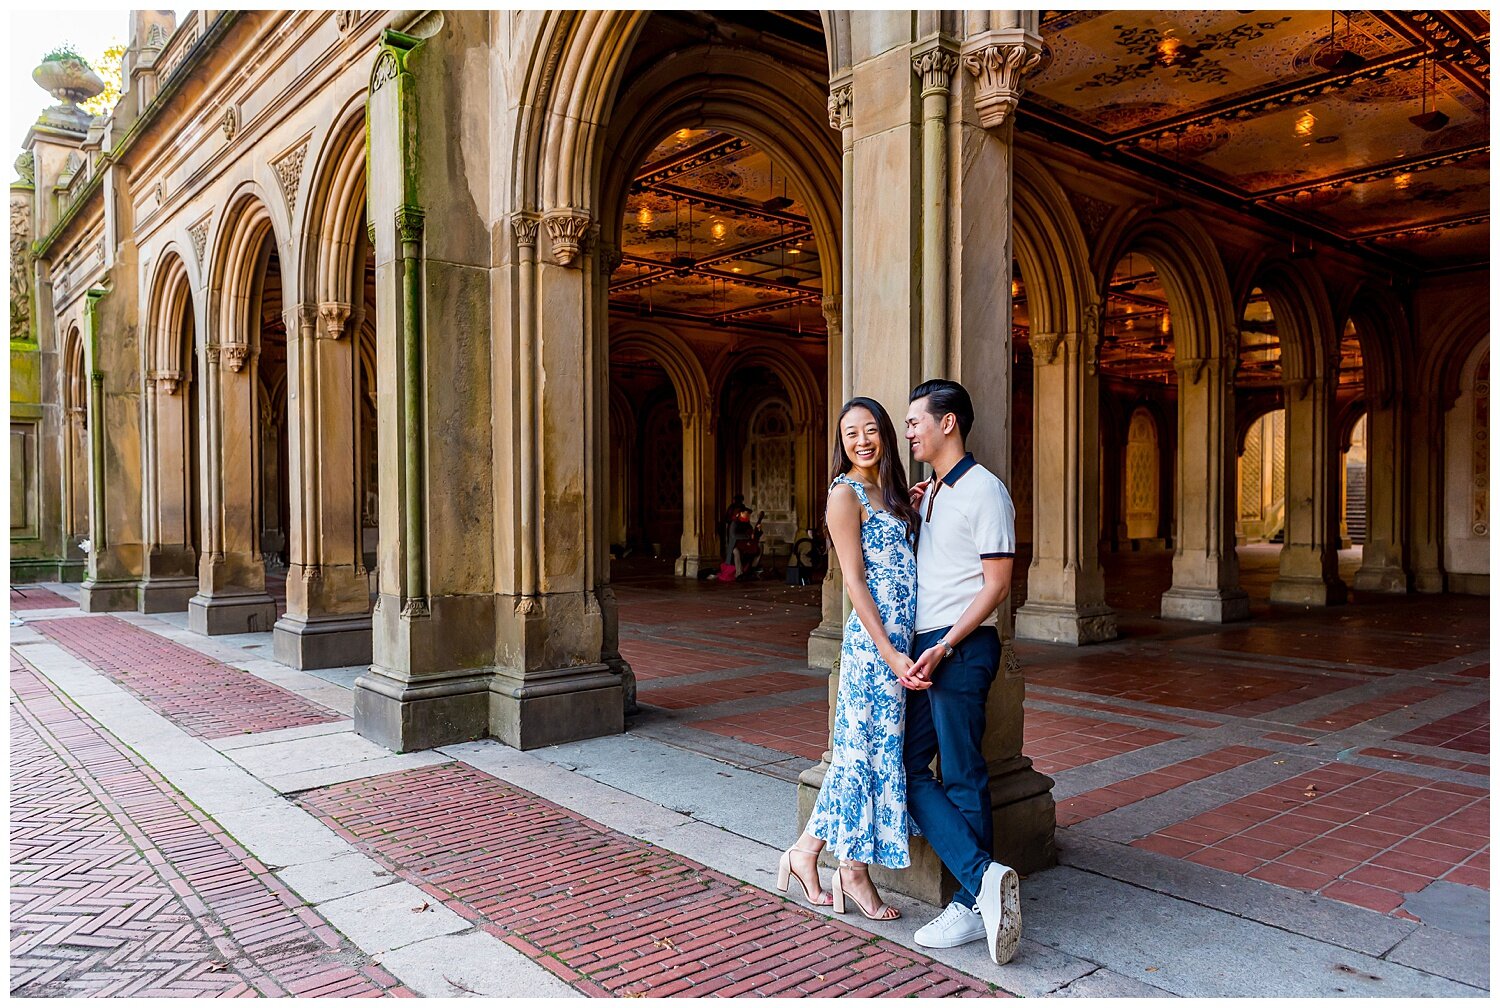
<point>960,467</point>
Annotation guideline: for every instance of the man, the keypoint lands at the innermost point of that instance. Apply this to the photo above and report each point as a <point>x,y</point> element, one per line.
<point>964,558</point>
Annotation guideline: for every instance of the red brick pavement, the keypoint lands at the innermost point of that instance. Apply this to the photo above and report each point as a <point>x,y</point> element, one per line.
<point>120,887</point>
<point>610,915</point>
<point>795,729</point>
<point>737,688</point>
<point>22,599</point>
<point>202,696</point>
<point>1058,742</point>
<point>1466,731</point>
<point>1371,709</point>
<point>1361,836</point>
<point>1149,785</point>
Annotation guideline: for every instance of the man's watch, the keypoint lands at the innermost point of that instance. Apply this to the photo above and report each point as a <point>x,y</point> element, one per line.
<point>947,648</point>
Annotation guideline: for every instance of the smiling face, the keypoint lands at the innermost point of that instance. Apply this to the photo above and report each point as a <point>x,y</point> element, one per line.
<point>924,432</point>
<point>861,437</point>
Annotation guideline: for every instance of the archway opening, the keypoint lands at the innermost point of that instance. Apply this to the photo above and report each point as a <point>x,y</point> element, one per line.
<point>273,457</point>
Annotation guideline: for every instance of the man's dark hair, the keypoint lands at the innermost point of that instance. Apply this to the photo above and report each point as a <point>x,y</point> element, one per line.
<point>944,397</point>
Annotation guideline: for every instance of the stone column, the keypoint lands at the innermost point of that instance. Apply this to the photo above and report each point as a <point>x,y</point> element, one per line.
<point>171,560</point>
<point>1426,416</point>
<point>116,551</point>
<point>891,334</point>
<point>232,594</point>
<point>699,539</point>
<point>1205,569</point>
<point>1309,559</point>
<point>1065,585</point>
<point>327,621</point>
<point>827,637</point>
<point>1384,566</point>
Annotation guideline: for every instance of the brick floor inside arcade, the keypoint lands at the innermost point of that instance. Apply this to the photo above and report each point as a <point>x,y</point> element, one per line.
<point>1306,792</point>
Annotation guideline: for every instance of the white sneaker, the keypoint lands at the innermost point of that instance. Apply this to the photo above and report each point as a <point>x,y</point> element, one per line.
<point>1000,907</point>
<point>955,926</point>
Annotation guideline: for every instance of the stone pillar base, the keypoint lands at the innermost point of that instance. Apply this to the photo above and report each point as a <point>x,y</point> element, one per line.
<point>692,566</point>
<point>214,615</point>
<point>108,596</point>
<point>823,646</point>
<point>329,642</point>
<point>1065,624</point>
<point>1309,591</point>
<point>160,595</point>
<point>556,706</point>
<point>1469,584</point>
<point>1205,605</point>
<point>1025,819</point>
<point>404,716</point>
<point>1429,582</point>
<point>1382,580</point>
<point>32,571</point>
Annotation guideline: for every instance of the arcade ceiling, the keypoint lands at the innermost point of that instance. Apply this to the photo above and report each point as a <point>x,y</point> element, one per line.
<point>1364,129</point>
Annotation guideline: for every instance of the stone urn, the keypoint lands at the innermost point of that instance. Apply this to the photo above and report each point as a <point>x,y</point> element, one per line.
<point>70,80</point>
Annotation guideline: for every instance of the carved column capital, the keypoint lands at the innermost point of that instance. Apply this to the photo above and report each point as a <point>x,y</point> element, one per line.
<point>610,258</point>
<point>833,313</point>
<point>166,381</point>
<point>333,315</point>
<point>568,229</point>
<point>1190,369</point>
<point>841,105</point>
<point>211,353</point>
<point>234,355</point>
<point>1000,62</point>
<point>409,223</point>
<point>1044,348</point>
<point>935,65</point>
<point>523,225</point>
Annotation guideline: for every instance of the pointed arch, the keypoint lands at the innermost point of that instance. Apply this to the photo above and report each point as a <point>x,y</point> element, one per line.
<point>238,255</point>
<point>667,349</point>
<point>1380,323</point>
<point>333,238</point>
<point>1050,249</point>
<point>796,377</point>
<point>170,300</point>
<point>1303,313</point>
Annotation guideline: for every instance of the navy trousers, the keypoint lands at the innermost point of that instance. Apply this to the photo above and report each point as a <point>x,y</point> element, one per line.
<point>947,720</point>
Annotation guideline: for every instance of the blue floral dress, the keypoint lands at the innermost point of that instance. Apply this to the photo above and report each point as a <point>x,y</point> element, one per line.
<point>861,808</point>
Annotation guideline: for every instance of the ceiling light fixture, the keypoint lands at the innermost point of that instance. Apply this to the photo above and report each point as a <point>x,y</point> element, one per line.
<point>1402,180</point>
<point>1434,120</point>
<point>1172,51</point>
<point>1305,123</point>
<point>645,217</point>
<point>1334,56</point>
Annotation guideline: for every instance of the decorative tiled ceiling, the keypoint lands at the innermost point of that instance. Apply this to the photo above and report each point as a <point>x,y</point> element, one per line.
<point>1370,126</point>
<point>715,232</point>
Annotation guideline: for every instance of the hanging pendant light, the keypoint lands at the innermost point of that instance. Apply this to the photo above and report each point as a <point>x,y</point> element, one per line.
<point>1434,120</point>
<point>1335,56</point>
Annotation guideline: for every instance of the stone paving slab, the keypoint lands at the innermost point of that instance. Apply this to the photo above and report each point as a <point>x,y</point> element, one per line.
<point>472,965</point>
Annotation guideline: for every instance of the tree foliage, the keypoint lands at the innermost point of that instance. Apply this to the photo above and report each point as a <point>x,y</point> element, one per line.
<point>109,68</point>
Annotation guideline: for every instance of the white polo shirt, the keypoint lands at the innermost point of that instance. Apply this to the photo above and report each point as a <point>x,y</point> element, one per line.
<point>967,518</point>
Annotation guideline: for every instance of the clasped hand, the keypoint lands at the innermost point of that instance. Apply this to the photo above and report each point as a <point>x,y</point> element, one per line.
<point>916,675</point>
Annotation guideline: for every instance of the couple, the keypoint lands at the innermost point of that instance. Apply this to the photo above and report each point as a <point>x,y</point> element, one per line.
<point>925,569</point>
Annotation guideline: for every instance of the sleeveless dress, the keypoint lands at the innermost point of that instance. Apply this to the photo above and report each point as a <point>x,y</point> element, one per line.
<point>861,808</point>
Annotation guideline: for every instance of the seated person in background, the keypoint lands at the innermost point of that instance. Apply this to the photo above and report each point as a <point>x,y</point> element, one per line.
<point>745,538</point>
<point>726,522</point>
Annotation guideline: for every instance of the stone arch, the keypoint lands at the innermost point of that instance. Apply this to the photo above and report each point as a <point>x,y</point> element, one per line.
<point>1451,348</point>
<point>236,259</point>
<point>1304,316</point>
<point>170,297</point>
<point>333,241</point>
<point>1142,485</point>
<point>1380,322</point>
<point>667,349</point>
<point>796,377</point>
<point>1191,271</point>
<point>1051,250</point>
<point>750,95</point>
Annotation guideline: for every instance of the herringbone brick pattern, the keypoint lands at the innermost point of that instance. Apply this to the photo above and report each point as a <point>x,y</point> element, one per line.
<point>202,696</point>
<point>31,597</point>
<point>611,915</point>
<point>122,888</point>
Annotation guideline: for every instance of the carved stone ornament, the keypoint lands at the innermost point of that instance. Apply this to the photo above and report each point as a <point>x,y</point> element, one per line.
<point>409,223</point>
<point>568,230</point>
<point>288,169</point>
<point>1091,337</point>
<point>833,313</point>
<point>1000,69</point>
<point>346,20</point>
<point>386,68</point>
<point>230,122</point>
<point>1044,348</point>
<point>234,355</point>
<point>156,37</point>
<point>416,608</point>
<point>199,234</point>
<point>26,168</point>
<point>211,353</point>
<point>610,258</point>
<point>524,226</point>
<point>333,314</point>
<point>935,67</point>
<point>167,381</point>
<point>841,106</point>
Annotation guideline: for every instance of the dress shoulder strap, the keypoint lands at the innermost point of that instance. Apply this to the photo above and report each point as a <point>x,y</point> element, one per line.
<point>859,490</point>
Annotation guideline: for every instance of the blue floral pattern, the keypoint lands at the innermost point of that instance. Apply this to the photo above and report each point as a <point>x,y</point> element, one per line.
<point>861,808</point>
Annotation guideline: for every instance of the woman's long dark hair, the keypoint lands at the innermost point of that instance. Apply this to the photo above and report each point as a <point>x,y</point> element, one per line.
<point>893,487</point>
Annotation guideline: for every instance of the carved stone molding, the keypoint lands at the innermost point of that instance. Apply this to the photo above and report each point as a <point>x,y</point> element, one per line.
<point>416,608</point>
<point>524,226</point>
<point>841,106</point>
<point>386,69</point>
<point>935,67</point>
<point>333,314</point>
<point>211,353</point>
<point>288,168</point>
<point>199,234</point>
<point>166,381</point>
<point>1190,369</point>
<point>346,20</point>
<point>568,229</point>
<point>1000,68</point>
<point>1091,325</point>
<point>610,258</point>
<point>26,168</point>
<point>234,355</point>
<point>1044,347</point>
<point>230,122</point>
<point>833,313</point>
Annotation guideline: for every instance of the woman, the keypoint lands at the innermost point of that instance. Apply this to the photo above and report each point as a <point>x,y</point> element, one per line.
<point>861,810</point>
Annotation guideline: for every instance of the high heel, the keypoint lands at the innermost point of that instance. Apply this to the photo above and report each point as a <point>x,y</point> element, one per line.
<point>785,873</point>
<point>882,912</point>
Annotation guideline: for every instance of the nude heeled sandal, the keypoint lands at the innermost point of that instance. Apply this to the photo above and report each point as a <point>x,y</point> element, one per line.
<point>785,874</point>
<point>882,912</point>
